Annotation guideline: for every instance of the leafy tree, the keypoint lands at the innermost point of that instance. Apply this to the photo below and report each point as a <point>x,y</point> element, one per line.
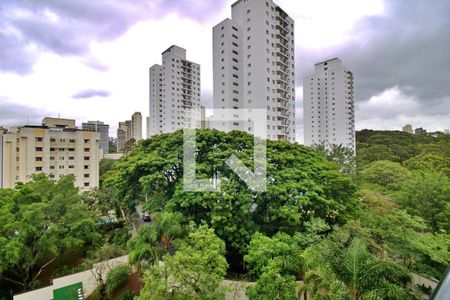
<point>389,175</point>
<point>156,239</point>
<point>112,145</point>
<point>280,252</point>
<point>313,232</point>
<point>344,157</point>
<point>373,153</point>
<point>101,201</point>
<point>403,237</point>
<point>427,194</point>
<point>107,167</point>
<point>333,266</point>
<point>129,144</point>
<point>430,162</point>
<point>39,220</point>
<point>195,271</point>
<point>273,284</point>
<point>301,185</point>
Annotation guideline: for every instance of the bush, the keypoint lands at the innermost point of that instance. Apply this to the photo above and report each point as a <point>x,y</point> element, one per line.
<point>127,295</point>
<point>116,278</point>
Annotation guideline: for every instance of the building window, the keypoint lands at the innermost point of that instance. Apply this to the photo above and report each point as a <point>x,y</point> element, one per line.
<point>39,139</point>
<point>38,169</point>
<point>86,158</point>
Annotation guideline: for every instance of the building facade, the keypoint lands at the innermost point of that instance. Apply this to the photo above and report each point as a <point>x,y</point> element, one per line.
<point>136,126</point>
<point>420,131</point>
<point>408,128</point>
<point>253,66</point>
<point>174,92</point>
<point>328,105</point>
<point>104,133</point>
<point>130,130</point>
<point>123,135</point>
<point>55,148</point>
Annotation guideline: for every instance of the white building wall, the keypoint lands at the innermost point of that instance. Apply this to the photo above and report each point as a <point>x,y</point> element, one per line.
<point>174,92</point>
<point>264,35</point>
<point>328,105</point>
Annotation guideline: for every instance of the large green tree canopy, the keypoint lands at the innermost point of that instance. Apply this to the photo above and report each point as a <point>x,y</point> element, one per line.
<point>301,185</point>
<point>39,220</point>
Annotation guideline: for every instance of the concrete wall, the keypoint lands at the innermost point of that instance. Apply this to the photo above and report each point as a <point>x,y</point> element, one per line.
<point>86,277</point>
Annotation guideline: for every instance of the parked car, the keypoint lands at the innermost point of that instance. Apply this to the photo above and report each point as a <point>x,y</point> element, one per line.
<point>146,217</point>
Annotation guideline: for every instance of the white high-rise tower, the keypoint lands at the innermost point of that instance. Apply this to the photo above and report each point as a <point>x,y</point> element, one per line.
<point>328,105</point>
<point>174,92</point>
<point>253,66</point>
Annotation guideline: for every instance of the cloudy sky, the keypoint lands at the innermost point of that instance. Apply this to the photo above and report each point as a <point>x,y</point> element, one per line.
<point>88,59</point>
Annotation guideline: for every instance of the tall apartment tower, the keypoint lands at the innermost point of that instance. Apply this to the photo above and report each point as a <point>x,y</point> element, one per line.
<point>174,92</point>
<point>104,133</point>
<point>136,126</point>
<point>328,105</point>
<point>56,148</point>
<point>253,66</point>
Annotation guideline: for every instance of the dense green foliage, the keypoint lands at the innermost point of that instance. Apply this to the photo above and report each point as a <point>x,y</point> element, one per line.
<point>390,176</point>
<point>195,271</point>
<point>322,230</point>
<point>427,194</point>
<point>116,277</point>
<point>405,148</point>
<point>301,185</point>
<point>343,267</point>
<point>39,221</point>
<point>310,206</point>
<point>155,240</point>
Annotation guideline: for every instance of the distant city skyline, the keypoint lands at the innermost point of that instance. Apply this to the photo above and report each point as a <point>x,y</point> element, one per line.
<point>101,72</point>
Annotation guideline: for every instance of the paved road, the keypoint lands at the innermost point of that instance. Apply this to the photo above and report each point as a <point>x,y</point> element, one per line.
<point>137,222</point>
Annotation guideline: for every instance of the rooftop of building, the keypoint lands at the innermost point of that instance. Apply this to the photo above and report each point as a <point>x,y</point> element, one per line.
<point>58,122</point>
<point>328,60</point>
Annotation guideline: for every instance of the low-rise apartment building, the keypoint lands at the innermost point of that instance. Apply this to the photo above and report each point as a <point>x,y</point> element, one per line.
<point>56,148</point>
